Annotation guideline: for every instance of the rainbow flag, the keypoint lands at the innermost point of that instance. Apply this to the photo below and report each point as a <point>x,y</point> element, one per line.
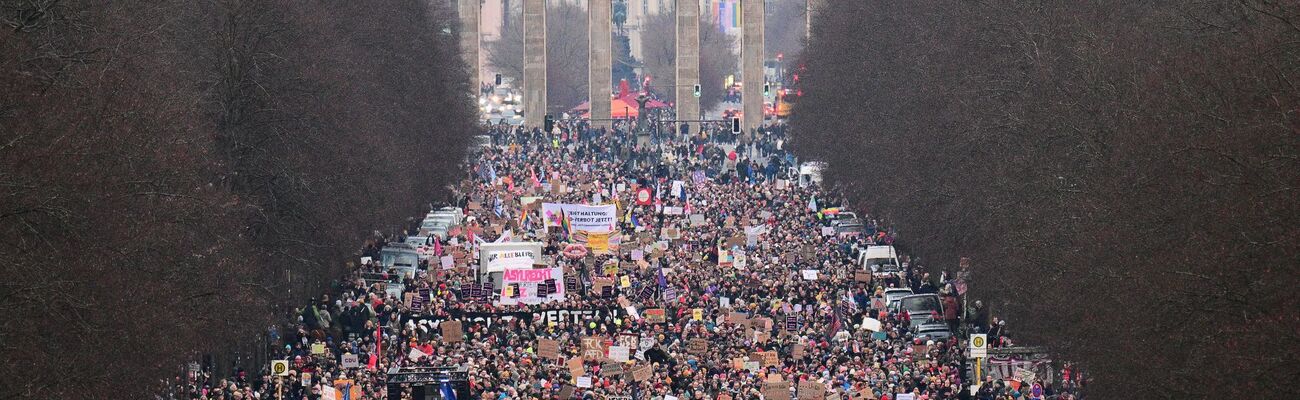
<point>565,224</point>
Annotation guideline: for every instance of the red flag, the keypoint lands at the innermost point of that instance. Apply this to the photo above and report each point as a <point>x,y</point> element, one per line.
<point>379,346</point>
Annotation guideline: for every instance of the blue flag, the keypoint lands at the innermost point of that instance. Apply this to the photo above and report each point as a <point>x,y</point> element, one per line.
<point>446,391</point>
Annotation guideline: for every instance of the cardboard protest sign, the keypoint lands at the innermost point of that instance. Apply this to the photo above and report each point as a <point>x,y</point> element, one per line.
<point>575,366</point>
<point>862,276</point>
<point>776,390</point>
<point>769,358</point>
<point>738,363</point>
<point>799,351</point>
<point>811,390</point>
<point>737,318</point>
<point>671,233</point>
<point>611,369</point>
<point>593,348</point>
<point>642,373</point>
<point>698,346</point>
<point>451,331</point>
<point>566,391</point>
<point>547,348</point>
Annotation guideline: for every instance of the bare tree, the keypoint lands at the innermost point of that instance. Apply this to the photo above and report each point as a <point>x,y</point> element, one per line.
<point>165,167</point>
<point>1123,174</point>
<point>566,54</point>
<point>659,53</point>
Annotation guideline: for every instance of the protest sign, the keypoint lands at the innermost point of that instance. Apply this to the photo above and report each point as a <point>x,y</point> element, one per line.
<point>452,331</point>
<point>642,373</point>
<point>619,353</point>
<point>584,381</point>
<point>862,276</point>
<point>600,219</point>
<point>575,366</point>
<point>811,390</point>
<point>697,346</point>
<point>611,369</point>
<point>547,348</point>
<point>598,243</point>
<point>593,348</point>
<point>776,390</point>
<point>655,316</point>
<point>871,324</point>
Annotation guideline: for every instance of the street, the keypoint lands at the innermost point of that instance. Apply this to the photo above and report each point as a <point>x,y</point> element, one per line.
<point>664,272</point>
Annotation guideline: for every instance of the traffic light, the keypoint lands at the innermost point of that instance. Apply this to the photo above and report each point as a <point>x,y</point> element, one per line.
<point>498,80</point>
<point>735,125</point>
<point>697,90</point>
<point>548,123</point>
<point>767,89</point>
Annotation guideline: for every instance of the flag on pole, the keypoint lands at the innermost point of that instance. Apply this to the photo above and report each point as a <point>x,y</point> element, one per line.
<point>446,391</point>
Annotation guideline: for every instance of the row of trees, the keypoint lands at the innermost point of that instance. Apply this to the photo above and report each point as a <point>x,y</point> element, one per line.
<point>1124,174</point>
<point>174,174</point>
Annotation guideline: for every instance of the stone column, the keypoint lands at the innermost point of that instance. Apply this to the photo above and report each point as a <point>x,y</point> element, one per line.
<point>470,17</point>
<point>534,62</point>
<point>688,60</point>
<point>599,73</point>
<point>751,59</point>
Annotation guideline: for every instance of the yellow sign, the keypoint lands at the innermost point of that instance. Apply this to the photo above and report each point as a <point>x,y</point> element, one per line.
<point>598,243</point>
<point>697,314</point>
<point>280,367</point>
<point>318,348</point>
<point>625,282</point>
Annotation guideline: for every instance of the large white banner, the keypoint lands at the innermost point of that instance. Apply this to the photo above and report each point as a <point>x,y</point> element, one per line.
<point>603,218</point>
<point>498,257</point>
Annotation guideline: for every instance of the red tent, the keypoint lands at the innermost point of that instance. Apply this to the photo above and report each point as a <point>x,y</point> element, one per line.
<point>623,105</point>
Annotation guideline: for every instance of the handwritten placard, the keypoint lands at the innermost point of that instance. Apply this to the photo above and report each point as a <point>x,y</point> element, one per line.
<point>698,346</point>
<point>547,348</point>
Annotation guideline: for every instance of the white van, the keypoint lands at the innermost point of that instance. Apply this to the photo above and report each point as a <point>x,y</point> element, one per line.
<point>879,259</point>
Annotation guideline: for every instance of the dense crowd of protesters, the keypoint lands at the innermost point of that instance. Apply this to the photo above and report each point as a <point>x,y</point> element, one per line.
<point>743,298</point>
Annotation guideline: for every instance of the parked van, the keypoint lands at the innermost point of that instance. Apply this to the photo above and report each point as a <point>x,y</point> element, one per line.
<point>879,259</point>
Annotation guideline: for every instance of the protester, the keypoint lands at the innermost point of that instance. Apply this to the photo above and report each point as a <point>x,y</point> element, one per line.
<point>730,247</point>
